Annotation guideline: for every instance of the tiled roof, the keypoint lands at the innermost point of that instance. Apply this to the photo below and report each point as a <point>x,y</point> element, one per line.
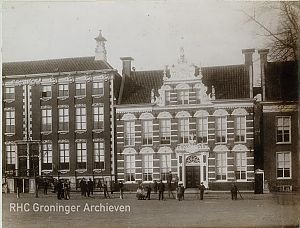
<point>53,66</point>
<point>282,81</point>
<point>230,82</point>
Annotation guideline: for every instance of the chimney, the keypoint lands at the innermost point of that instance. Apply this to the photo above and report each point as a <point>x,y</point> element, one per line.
<point>249,64</point>
<point>100,50</point>
<point>126,71</point>
<point>263,54</point>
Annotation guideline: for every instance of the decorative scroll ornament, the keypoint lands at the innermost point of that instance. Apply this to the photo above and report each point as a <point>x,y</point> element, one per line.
<point>192,159</point>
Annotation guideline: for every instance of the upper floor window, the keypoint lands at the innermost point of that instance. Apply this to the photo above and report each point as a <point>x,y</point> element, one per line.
<point>240,128</point>
<point>167,97</point>
<point>63,119</point>
<point>47,156</point>
<point>64,155</point>
<point>9,93</point>
<point>183,96</point>
<point>129,167</point>
<point>10,156</point>
<point>99,155</point>
<point>241,165</point>
<point>202,129</point>
<point>80,118</point>
<point>129,132</point>
<point>283,129</point>
<point>221,128</point>
<point>221,166</point>
<point>98,117</point>
<point>284,164</point>
<point>165,166</point>
<point>80,88</point>
<point>10,121</point>
<point>147,167</point>
<point>165,131</point>
<point>47,119</point>
<point>46,91</point>
<point>98,88</point>
<point>63,90</point>
<point>147,132</point>
<point>81,155</point>
<point>183,125</point>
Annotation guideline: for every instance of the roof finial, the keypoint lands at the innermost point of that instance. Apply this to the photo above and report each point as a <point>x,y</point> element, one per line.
<point>100,51</point>
<point>181,58</point>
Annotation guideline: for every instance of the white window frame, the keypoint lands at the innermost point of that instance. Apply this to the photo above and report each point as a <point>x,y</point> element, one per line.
<point>240,165</point>
<point>165,165</point>
<point>10,121</point>
<point>10,154</point>
<point>129,132</point>
<point>81,153</point>
<point>46,115</point>
<point>63,90</point>
<point>288,167</point>
<point>222,119</point>
<point>282,130</point>
<point>183,130</point>
<point>147,132</point>
<point>99,87</point>
<point>183,96</point>
<point>9,93</point>
<point>147,160</point>
<point>165,130</point>
<point>79,88</point>
<point>238,130</point>
<point>46,92</point>
<point>202,129</point>
<point>99,154</point>
<point>221,166</point>
<point>63,119</point>
<point>80,118</point>
<point>129,164</point>
<point>98,117</point>
<point>64,154</point>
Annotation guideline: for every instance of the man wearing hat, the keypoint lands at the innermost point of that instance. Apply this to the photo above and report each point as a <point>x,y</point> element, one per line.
<point>201,188</point>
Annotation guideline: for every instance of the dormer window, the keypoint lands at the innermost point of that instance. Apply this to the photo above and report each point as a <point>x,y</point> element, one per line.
<point>46,91</point>
<point>183,97</point>
<point>167,97</point>
<point>9,93</point>
<point>98,88</point>
<point>80,89</point>
<point>63,90</point>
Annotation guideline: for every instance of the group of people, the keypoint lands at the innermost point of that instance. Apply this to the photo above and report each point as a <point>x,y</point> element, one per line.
<point>63,189</point>
<point>86,187</point>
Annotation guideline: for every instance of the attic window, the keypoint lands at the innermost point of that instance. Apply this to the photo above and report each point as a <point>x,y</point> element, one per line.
<point>46,91</point>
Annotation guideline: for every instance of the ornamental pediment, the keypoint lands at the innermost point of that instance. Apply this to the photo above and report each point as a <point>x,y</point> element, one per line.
<point>191,148</point>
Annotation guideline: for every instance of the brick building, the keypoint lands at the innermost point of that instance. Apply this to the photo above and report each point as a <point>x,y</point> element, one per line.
<point>58,119</point>
<point>196,123</point>
<point>279,123</point>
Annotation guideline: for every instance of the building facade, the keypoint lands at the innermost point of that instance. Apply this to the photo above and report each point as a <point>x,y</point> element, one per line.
<point>196,123</point>
<point>279,123</point>
<point>58,119</point>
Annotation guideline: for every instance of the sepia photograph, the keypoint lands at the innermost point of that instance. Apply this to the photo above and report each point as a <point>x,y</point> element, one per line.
<point>158,113</point>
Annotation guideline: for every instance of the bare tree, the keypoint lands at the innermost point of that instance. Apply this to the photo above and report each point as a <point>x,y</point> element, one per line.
<point>284,37</point>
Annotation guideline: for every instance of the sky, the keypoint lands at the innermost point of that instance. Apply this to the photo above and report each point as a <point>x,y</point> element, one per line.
<point>152,32</point>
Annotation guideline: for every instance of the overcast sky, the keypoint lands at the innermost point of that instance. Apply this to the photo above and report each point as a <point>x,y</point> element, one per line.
<point>211,32</point>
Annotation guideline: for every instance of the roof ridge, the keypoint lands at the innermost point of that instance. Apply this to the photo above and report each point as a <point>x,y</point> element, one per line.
<point>43,60</point>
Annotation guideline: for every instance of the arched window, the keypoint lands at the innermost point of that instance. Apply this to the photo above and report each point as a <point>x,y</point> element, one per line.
<point>183,93</point>
<point>202,126</point>
<point>129,129</point>
<point>221,125</point>
<point>129,164</point>
<point>165,127</point>
<point>239,124</point>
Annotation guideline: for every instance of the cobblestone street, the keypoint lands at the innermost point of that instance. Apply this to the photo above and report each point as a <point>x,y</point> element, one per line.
<point>217,210</point>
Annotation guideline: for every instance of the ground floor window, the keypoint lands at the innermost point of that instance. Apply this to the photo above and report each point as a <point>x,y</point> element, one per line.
<point>241,165</point>
<point>165,166</point>
<point>283,165</point>
<point>147,167</point>
<point>221,166</point>
<point>130,167</point>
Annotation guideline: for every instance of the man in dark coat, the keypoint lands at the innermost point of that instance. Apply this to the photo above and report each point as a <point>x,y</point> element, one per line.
<point>234,191</point>
<point>105,190</point>
<point>90,187</point>
<point>121,187</point>
<point>148,190</point>
<point>83,187</point>
<point>201,188</point>
<point>155,186</point>
<point>161,189</point>
<point>59,189</point>
<point>46,187</point>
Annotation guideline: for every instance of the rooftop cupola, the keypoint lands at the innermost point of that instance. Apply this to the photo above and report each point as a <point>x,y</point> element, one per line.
<point>100,50</point>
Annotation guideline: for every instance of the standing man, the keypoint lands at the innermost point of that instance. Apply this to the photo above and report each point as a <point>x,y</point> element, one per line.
<point>161,189</point>
<point>45,187</point>
<point>169,184</point>
<point>201,188</point>
<point>90,187</point>
<point>234,191</point>
<point>105,190</point>
<point>83,187</point>
<point>121,187</point>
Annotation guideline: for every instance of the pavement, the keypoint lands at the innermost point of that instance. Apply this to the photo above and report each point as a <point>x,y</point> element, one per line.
<point>216,210</point>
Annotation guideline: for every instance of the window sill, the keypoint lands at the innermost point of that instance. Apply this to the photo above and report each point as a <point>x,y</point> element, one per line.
<point>9,100</point>
<point>284,178</point>
<point>47,171</point>
<point>64,171</point>
<point>63,98</point>
<point>9,134</point>
<point>130,182</point>
<point>283,143</point>
<point>80,97</point>
<point>81,170</point>
<point>46,98</point>
<point>80,131</point>
<point>98,130</point>
<point>63,132</point>
<point>221,180</point>
<point>97,95</point>
<point>238,142</point>
<point>98,170</point>
<point>220,143</point>
<point>46,132</point>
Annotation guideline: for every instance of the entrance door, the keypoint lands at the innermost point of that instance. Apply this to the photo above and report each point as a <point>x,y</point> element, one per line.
<point>192,176</point>
<point>259,189</point>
